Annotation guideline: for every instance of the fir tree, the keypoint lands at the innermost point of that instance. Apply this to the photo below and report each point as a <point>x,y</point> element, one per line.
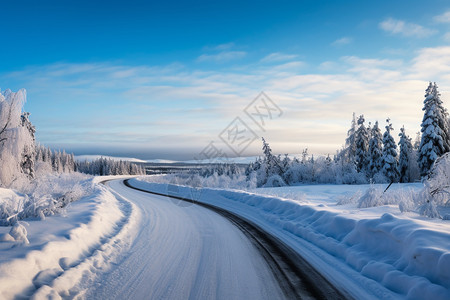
<point>350,143</point>
<point>434,128</point>
<point>362,146</point>
<point>271,162</point>
<point>375,151</point>
<point>390,164</point>
<point>405,156</point>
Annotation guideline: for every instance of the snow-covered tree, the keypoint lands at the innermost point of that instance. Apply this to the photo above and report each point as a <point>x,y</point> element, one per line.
<point>16,139</point>
<point>405,156</point>
<point>271,165</point>
<point>375,151</point>
<point>28,154</point>
<point>349,152</point>
<point>416,144</point>
<point>390,164</point>
<point>435,132</point>
<point>362,146</point>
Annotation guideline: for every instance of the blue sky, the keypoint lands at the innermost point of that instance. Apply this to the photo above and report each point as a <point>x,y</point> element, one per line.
<point>163,79</point>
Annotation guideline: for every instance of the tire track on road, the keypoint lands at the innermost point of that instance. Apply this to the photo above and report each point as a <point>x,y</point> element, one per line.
<point>296,277</point>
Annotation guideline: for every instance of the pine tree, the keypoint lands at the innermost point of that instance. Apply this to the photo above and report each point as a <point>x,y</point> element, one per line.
<point>390,164</point>
<point>375,151</point>
<point>285,163</point>
<point>435,139</point>
<point>406,149</point>
<point>362,146</point>
<point>416,144</point>
<point>272,162</point>
<point>350,142</point>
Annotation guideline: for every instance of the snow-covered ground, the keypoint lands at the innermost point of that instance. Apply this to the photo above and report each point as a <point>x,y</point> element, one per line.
<point>118,243</point>
<point>373,252</point>
<point>60,256</point>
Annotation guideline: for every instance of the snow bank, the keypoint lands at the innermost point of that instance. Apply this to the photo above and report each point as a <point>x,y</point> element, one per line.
<point>65,252</point>
<point>44,196</point>
<point>392,256</point>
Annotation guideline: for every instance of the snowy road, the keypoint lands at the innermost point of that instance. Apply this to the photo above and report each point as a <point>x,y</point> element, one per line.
<point>185,253</point>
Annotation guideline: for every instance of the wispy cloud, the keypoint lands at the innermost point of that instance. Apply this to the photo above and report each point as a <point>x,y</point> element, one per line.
<point>220,47</point>
<point>444,18</point>
<point>132,104</point>
<point>278,56</point>
<point>223,56</point>
<point>447,37</point>
<point>342,41</point>
<point>400,27</point>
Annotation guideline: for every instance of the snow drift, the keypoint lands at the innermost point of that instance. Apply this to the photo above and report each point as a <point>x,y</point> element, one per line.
<point>65,252</point>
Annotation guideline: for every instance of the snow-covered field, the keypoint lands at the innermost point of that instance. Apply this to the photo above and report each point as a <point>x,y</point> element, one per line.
<point>373,252</point>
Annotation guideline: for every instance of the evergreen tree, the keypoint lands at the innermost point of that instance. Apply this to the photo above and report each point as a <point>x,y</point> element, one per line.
<point>416,144</point>
<point>272,162</point>
<point>435,139</point>
<point>405,156</point>
<point>390,164</point>
<point>362,146</point>
<point>286,162</point>
<point>375,151</point>
<point>350,143</point>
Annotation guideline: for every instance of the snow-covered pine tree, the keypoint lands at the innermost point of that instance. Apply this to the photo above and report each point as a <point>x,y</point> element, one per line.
<point>350,143</point>
<point>416,144</point>
<point>304,156</point>
<point>273,164</point>
<point>390,164</point>
<point>405,156</point>
<point>285,163</point>
<point>435,131</point>
<point>375,151</point>
<point>362,146</point>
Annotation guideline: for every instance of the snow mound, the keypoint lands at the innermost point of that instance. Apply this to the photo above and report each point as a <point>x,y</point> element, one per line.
<point>65,253</point>
<point>45,196</point>
<point>19,233</point>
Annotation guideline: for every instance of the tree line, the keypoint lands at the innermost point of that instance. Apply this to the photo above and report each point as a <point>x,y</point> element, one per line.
<point>368,154</point>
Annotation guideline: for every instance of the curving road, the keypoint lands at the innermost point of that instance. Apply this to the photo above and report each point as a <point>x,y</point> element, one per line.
<point>185,252</point>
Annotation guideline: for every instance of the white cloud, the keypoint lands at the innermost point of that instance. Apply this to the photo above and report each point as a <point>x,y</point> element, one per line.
<point>342,41</point>
<point>406,29</point>
<point>444,18</point>
<point>328,66</point>
<point>447,37</point>
<point>223,56</point>
<point>277,57</point>
<point>220,47</point>
<point>132,104</point>
<point>431,63</point>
